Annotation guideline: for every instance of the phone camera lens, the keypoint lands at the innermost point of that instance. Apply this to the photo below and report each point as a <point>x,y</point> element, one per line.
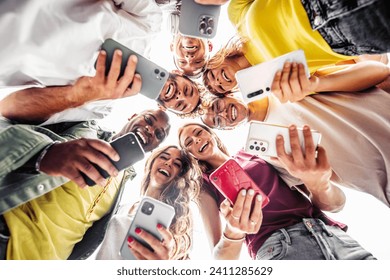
<point>255,142</point>
<point>257,148</point>
<point>162,74</point>
<point>251,147</point>
<point>263,149</point>
<point>267,89</point>
<point>210,22</point>
<point>209,30</point>
<point>156,71</point>
<point>215,178</point>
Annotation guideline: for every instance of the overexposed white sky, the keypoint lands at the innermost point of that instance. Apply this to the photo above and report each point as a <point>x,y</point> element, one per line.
<point>367,218</point>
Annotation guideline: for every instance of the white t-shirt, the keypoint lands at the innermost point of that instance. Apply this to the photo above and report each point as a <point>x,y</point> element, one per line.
<point>52,43</point>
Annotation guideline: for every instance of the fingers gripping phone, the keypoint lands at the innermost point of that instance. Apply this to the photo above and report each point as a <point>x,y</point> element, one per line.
<point>261,139</point>
<point>153,76</point>
<point>150,212</point>
<point>255,82</point>
<point>230,178</point>
<point>130,151</point>
<point>198,20</point>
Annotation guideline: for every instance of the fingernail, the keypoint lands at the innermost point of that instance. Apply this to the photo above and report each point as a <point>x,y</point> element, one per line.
<point>292,127</point>
<point>259,197</point>
<point>243,192</point>
<point>251,192</point>
<point>118,52</point>
<point>130,239</point>
<point>134,58</point>
<point>138,230</point>
<point>159,226</point>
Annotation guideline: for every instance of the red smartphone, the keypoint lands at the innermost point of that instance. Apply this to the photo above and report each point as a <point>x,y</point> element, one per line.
<point>230,178</point>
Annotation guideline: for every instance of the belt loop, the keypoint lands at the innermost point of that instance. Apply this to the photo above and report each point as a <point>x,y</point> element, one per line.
<point>286,235</point>
<point>324,227</point>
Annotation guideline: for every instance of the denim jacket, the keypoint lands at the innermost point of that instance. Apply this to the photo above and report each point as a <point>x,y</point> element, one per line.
<point>19,144</point>
<point>320,12</point>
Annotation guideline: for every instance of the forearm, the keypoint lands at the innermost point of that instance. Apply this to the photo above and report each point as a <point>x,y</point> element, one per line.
<point>35,105</point>
<point>229,246</point>
<point>356,77</point>
<point>327,196</point>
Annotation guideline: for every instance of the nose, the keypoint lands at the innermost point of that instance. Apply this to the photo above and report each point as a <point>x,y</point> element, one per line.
<point>168,162</point>
<point>179,95</point>
<point>149,129</point>
<point>197,140</point>
<point>223,113</point>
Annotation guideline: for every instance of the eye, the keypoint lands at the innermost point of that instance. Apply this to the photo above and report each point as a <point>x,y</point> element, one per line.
<point>148,120</point>
<point>177,164</point>
<point>199,132</point>
<point>188,143</point>
<point>160,134</point>
<point>164,157</point>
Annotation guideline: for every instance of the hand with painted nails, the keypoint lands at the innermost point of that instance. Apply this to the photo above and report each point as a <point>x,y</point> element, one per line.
<point>291,83</point>
<point>159,250</point>
<point>242,218</point>
<point>71,158</point>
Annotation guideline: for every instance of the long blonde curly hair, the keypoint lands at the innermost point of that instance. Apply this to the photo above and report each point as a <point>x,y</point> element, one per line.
<point>178,193</point>
<point>233,48</point>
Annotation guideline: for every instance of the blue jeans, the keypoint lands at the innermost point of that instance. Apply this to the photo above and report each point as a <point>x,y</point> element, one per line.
<point>351,27</point>
<point>311,239</point>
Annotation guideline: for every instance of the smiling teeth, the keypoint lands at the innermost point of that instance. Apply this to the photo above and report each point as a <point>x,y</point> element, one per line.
<point>168,93</point>
<point>143,139</point>
<point>165,172</point>
<point>234,113</point>
<point>203,147</point>
<point>225,77</point>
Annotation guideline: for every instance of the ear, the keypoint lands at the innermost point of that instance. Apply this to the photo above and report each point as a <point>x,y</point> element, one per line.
<point>132,117</point>
<point>210,45</point>
<point>171,46</point>
<point>176,72</point>
<point>162,108</point>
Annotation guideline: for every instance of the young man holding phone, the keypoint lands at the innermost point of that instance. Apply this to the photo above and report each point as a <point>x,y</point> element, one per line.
<point>40,169</point>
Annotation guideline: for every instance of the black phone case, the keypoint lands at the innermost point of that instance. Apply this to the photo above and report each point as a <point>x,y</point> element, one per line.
<point>153,76</point>
<point>129,150</point>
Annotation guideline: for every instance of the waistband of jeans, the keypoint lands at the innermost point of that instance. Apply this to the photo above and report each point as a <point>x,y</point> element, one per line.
<point>308,224</point>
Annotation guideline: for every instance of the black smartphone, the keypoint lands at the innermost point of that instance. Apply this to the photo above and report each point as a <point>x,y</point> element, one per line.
<point>153,76</point>
<point>130,151</point>
<point>150,212</point>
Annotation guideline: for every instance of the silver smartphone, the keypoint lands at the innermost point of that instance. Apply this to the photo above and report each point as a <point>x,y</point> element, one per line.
<point>153,76</point>
<point>130,151</point>
<point>150,212</point>
<point>255,81</point>
<point>261,139</point>
<point>198,20</point>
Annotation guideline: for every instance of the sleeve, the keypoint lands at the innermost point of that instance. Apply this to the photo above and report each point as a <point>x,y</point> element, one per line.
<point>237,9</point>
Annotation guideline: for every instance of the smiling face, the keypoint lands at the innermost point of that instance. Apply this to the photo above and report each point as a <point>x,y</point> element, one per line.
<point>221,79</point>
<point>179,95</point>
<point>198,142</point>
<point>166,167</point>
<point>225,112</point>
<point>190,54</point>
<point>151,128</point>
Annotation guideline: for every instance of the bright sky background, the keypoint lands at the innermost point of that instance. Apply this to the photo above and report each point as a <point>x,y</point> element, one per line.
<point>367,218</point>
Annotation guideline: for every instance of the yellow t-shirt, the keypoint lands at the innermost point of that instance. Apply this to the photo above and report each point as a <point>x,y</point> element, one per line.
<point>276,27</point>
<point>49,226</point>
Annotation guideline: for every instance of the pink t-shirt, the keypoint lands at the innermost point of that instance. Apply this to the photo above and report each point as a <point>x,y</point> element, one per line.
<point>286,207</point>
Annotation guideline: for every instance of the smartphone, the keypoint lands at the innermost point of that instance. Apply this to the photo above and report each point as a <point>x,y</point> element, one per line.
<point>230,178</point>
<point>150,212</point>
<point>255,81</point>
<point>198,20</point>
<point>130,151</point>
<point>261,139</point>
<point>153,76</point>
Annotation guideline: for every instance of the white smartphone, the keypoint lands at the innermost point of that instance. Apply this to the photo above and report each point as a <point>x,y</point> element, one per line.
<point>261,139</point>
<point>255,81</point>
<point>153,76</point>
<point>150,212</point>
<point>198,20</point>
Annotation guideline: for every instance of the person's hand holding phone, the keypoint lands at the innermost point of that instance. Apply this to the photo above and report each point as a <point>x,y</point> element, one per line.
<point>110,86</point>
<point>242,218</point>
<point>291,83</point>
<point>162,250</point>
<point>72,158</point>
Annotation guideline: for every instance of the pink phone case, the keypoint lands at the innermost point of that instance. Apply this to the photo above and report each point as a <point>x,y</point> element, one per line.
<point>230,178</point>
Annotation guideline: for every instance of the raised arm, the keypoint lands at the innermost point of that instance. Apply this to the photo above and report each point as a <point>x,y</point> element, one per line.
<point>240,220</point>
<point>291,84</point>
<point>315,172</point>
<point>35,105</point>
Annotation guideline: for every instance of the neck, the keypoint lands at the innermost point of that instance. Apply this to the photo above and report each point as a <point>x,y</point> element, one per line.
<point>257,110</point>
<point>217,160</point>
<point>243,62</point>
<point>153,192</point>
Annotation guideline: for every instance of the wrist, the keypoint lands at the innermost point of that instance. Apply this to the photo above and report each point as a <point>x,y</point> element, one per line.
<point>233,236</point>
<point>42,155</point>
